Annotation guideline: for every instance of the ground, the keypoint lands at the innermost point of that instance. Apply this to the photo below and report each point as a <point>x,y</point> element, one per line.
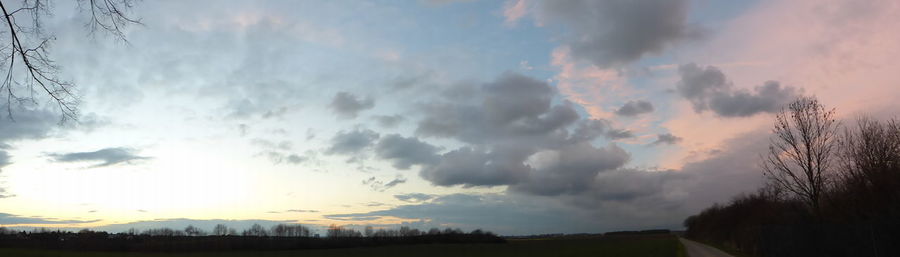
<point>615,246</point>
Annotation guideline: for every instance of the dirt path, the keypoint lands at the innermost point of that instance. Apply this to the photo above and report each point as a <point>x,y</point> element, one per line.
<point>695,249</point>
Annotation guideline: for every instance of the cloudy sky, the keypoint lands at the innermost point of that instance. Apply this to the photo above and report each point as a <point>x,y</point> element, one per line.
<point>518,116</point>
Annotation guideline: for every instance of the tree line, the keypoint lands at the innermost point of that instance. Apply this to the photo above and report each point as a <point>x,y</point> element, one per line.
<point>832,189</point>
<point>223,238</point>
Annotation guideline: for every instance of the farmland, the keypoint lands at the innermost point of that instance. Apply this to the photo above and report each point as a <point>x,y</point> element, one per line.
<point>621,246</point>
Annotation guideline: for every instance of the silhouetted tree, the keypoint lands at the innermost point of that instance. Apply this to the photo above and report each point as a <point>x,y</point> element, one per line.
<point>369,231</point>
<point>256,230</point>
<point>869,185</point>
<point>29,68</point>
<point>800,152</point>
<point>335,231</point>
<point>286,230</point>
<point>220,230</point>
<point>190,230</point>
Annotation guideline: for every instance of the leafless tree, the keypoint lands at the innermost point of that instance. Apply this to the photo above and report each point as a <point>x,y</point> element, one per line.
<point>190,230</point>
<point>369,231</point>
<point>290,230</point>
<point>870,168</point>
<point>24,51</point>
<point>256,230</point>
<point>800,152</point>
<point>220,230</point>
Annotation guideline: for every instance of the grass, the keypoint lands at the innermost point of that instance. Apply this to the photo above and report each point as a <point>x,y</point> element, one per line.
<point>728,249</point>
<point>681,252</point>
<point>615,246</point>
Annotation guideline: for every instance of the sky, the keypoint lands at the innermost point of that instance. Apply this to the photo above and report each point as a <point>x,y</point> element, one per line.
<point>517,116</point>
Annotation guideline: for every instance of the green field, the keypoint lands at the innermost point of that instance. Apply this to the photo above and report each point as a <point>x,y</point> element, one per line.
<point>618,246</point>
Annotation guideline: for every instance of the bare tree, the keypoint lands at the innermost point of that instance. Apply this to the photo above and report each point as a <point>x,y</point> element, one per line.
<point>190,230</point>
<point>800,152</point>
<point>870,168</point>
<point>30,70</point>
<point>369,231</point>
<point>220,230</point>
<point>256,230</point>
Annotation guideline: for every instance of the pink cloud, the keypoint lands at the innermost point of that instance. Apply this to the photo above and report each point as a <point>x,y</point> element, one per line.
<point>841,51</point>
<point>586,84</point>
<point>514,10</point>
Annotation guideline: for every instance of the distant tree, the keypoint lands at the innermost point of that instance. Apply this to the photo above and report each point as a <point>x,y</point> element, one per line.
<point>290,230</point>
<point>256,230</point>
<point>220,230</point>
<point>335,231</point>
<point>801,150</point>
<point>30,70</point>
<point>280,230</point>
<point>190,230</point>
<point>870,169</point>
<point>369,231</point>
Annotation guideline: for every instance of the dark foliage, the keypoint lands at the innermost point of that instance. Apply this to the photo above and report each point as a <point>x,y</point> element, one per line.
<point>858,213</point>
<point>253,239</point>
<point>642,232</point>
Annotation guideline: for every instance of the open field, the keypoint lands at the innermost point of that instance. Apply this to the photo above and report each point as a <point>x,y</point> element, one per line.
<point>619,246</point>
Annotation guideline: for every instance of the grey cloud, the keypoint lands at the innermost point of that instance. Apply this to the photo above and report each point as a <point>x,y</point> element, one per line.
<point>352,142</point>
<point>395,182</point>
<point>679,193</point>
<point>243,129</point>
<point>277,157</point>
<point>302,211</point>
<point>388,121</point>
<point>504,214</point>
<point>635,108</point>
<point>707,88</point>
<point>206,225</point>
<point>628,185</point>
<point>571,169</point>
<point>587,130</point>
<point>351,218</point>
<point>276,113</point>
<point>310,134</point>
<point>27,124</point>
<point>472,167</point>
<point>407,82</point>
<point>348,105</point>
<point>4,158</point>
<point>513,106</point>
<point>10,219</point>
<point>283,145</point>
<point>3,194</point>
<point>381,186</point>
<point>728,171</point>
<point>106,156</point>
<point>296,159</point>
<point>246,108</point>
<point>414,197</point>
<point>405,151</point>
<point>620,199</point>
<point>667,138</point>
<point>24,124</point>
<point>614,134</point>
<point>611,33</point>
<point>766,98</point>
<point>505,122</point>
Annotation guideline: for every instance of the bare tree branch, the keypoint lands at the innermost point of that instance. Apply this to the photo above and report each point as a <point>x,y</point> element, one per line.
<point>799,154</point>
<point>30,71</point>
